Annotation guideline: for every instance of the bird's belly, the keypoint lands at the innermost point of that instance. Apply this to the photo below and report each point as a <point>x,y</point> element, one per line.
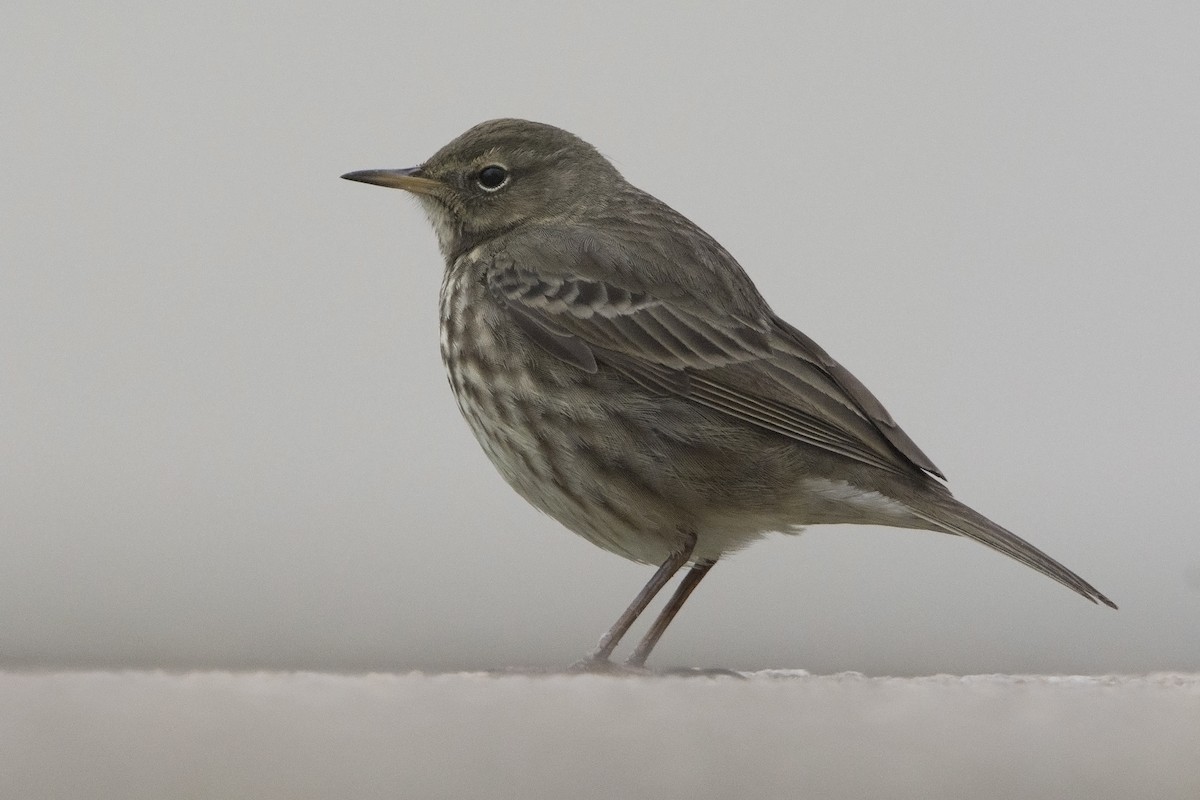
<point>543,442</point>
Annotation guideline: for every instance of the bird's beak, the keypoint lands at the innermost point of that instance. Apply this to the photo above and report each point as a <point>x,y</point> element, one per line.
<point>409,179</point>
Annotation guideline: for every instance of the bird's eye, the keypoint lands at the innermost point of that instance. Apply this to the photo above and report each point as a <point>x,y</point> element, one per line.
<point>492,177</point>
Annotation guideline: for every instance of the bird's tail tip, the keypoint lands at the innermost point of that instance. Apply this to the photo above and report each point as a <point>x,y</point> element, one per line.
<point>955,517</point>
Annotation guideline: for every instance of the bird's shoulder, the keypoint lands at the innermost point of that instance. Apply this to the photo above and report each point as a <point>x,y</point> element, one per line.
<point>639,244</point>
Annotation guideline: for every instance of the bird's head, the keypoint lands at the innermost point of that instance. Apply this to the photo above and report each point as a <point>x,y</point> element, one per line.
<point>500,175</point>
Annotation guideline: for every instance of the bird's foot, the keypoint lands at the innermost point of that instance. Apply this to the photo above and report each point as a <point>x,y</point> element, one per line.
<point>602,666</point>
<point>701,672</point>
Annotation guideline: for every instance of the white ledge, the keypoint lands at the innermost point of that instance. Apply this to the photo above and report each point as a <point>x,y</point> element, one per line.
<point>776,734</point>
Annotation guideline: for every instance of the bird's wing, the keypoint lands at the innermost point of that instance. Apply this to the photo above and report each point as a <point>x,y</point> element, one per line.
<point>761,371</point>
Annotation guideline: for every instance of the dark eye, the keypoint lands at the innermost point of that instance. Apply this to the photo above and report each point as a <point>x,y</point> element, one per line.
<point>492,177</point>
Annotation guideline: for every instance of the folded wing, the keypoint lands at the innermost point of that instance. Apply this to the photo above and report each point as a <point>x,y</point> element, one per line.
<point>756,368</point>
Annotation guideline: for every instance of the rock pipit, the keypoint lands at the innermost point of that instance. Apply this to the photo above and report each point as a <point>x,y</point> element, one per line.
<point>625,376</point>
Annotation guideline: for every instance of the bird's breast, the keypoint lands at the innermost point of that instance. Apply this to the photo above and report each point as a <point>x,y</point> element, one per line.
<point>492,370</point>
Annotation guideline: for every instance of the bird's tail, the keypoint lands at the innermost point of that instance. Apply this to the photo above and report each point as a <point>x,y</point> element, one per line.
<point>953,517</point>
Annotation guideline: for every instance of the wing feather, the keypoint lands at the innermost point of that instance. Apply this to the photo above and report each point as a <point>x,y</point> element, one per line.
<point>761,371</point>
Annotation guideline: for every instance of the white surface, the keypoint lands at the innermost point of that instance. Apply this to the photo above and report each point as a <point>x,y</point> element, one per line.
<point>226,439</point>
<point>776,735</point>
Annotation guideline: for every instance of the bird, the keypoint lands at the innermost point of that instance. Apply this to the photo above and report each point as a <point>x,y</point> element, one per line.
<point>625,376</point>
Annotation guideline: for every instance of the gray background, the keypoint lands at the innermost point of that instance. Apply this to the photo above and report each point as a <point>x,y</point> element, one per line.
<point>226,439</point>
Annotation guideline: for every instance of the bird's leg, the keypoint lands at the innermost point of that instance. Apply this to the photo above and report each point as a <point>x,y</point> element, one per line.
<point>682,592</point>
<point>669,567</point>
